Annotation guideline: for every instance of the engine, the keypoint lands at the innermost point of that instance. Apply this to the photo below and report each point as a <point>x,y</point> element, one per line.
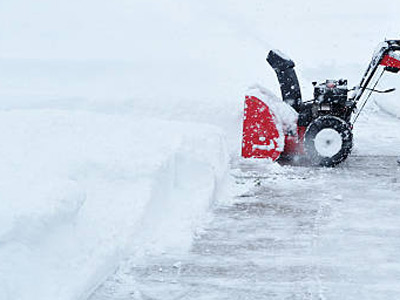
<point>331,92</point>
<point>331,97</point>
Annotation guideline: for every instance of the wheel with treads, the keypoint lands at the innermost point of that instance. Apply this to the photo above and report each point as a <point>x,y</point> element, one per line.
<point>328,141</point>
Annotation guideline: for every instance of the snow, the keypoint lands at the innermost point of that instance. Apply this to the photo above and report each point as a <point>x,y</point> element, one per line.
<point>290,233</point>
<point>281,54</point>
<point>286,116</point>
<point>118,119</point>
<point>389,106</point>
<point>81,190</point>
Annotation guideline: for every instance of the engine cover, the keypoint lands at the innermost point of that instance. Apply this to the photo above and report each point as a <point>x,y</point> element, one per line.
<point>331,92</point>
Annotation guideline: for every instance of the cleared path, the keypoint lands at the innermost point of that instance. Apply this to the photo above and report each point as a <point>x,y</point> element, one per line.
<point>296,233</point>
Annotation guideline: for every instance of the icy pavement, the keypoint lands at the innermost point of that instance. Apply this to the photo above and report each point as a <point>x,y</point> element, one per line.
<point>297,233</point>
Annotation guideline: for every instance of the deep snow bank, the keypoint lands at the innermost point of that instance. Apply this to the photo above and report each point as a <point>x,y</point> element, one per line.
<point>80,190</point>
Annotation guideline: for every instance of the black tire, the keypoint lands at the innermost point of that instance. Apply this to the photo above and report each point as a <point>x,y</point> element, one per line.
<point>328,141</point>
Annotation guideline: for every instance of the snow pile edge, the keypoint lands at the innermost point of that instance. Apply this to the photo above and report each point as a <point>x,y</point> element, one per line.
<point>92,189</point>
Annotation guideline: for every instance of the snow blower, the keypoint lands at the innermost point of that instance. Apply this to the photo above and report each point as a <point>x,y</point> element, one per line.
<point>324,124</point>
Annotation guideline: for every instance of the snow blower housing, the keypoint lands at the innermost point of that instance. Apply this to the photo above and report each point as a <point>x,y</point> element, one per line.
<point>324,124</point>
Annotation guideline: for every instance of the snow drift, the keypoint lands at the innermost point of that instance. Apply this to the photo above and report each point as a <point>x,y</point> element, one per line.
<point>79,191</point>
